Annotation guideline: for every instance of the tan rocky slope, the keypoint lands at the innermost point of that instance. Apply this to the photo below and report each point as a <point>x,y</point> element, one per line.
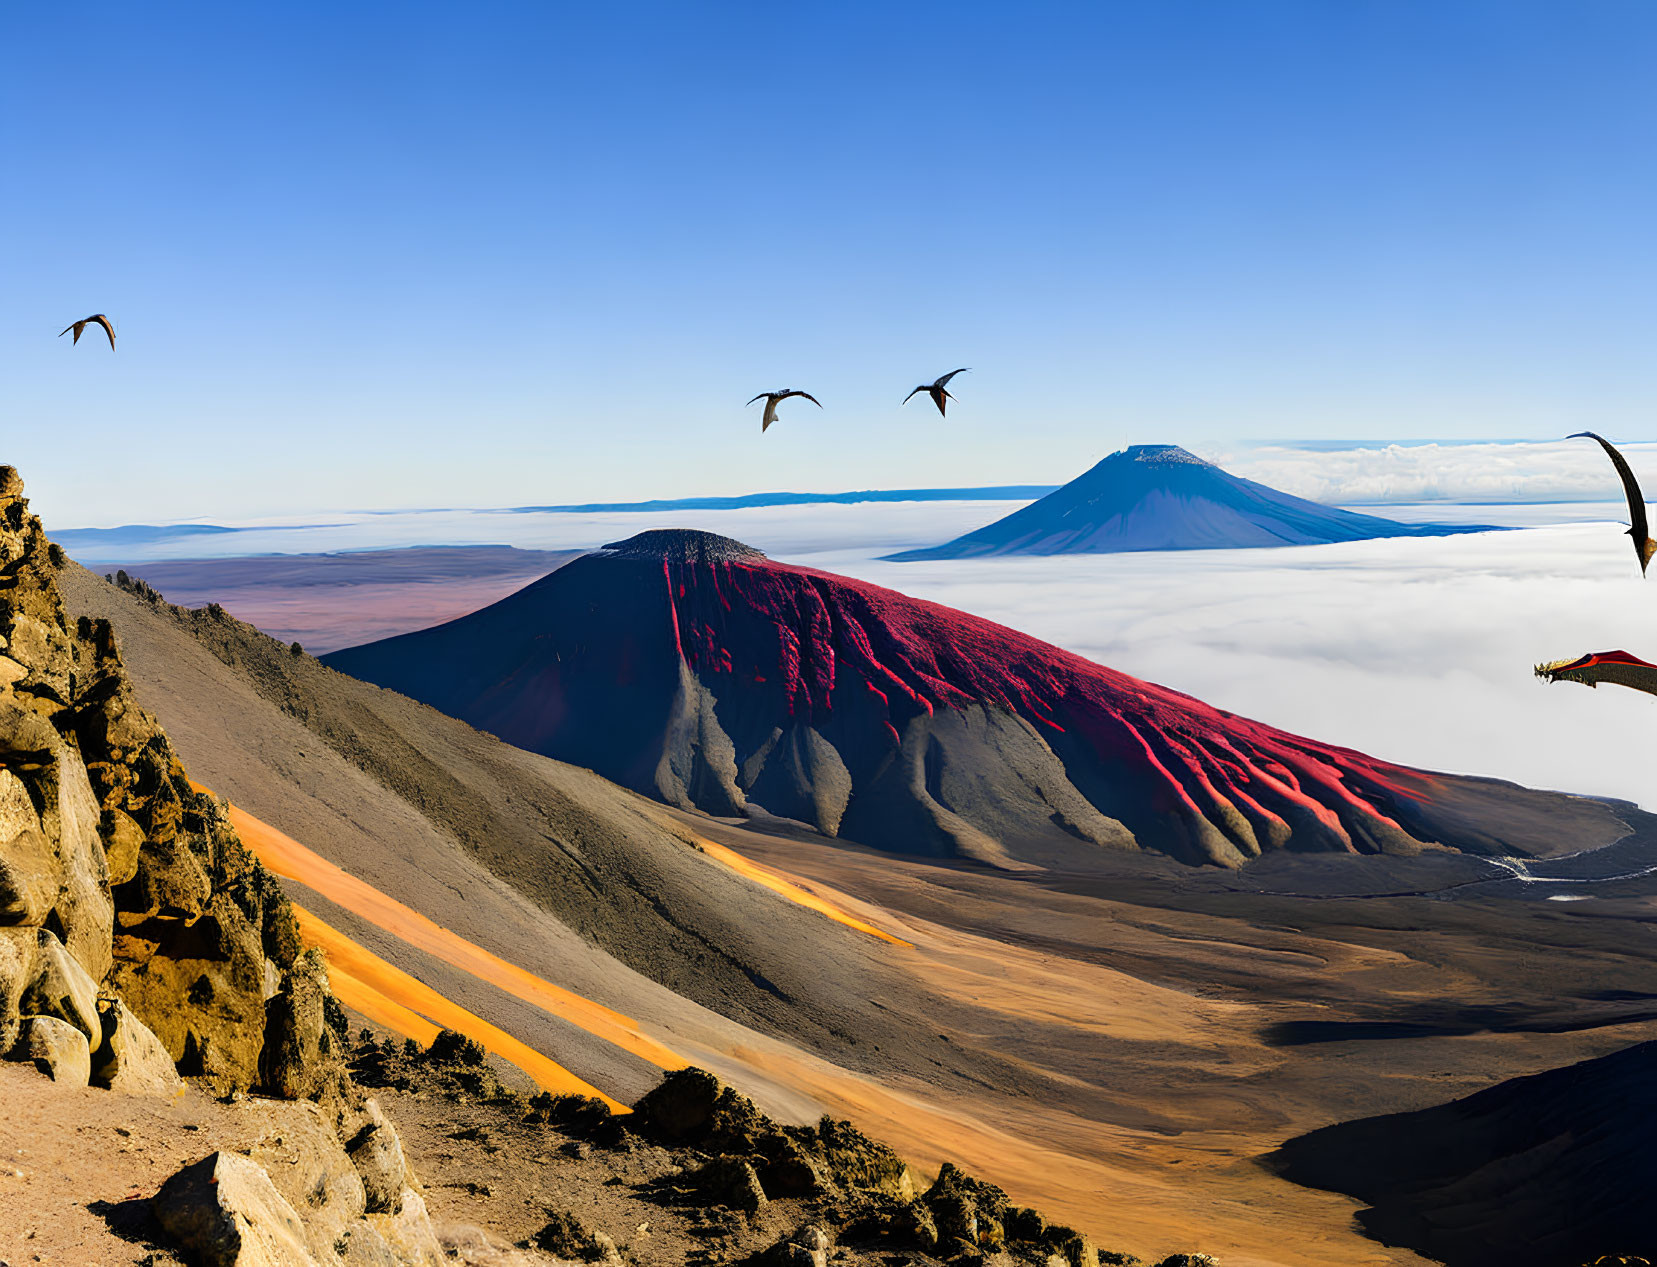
<point>142,941</point>
<point>547,865</point>
<point>1098,1058</point>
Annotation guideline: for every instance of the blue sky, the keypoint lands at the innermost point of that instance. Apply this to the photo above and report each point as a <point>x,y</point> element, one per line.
<point>491,254</point>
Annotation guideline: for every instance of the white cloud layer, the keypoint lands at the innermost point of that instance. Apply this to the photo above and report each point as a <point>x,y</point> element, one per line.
<point>1543,471</point>
<point>1417,650</point>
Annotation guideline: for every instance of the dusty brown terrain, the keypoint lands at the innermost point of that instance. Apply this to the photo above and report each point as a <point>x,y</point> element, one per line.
<point>78,1166</point>
<point>1118,1047</point>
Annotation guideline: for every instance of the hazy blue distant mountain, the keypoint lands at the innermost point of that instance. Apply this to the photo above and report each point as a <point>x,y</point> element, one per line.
<point>994,492</point>
<point>126,543</point>
<point>134,534</point>
<point>1160,497</point>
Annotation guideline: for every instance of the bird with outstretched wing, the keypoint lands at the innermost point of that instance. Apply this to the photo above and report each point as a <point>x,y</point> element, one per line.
<point>79,327</point>
<point>1644,547</point>
<point>937,389</point>
<point>773,399</point>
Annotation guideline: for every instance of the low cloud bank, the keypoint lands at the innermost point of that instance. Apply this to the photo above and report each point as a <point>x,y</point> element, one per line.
<point>1416,650</point>
<point>1511,471</point>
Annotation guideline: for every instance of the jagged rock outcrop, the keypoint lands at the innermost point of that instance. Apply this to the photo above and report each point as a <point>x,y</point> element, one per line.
<point>302,1059</point>
<point>140,940</point>
<point>115,874</point>
<point>126,879</point>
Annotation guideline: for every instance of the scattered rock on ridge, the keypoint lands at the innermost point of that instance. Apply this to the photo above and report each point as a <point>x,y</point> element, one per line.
<point>685,545</point>
<point>568,1237</point>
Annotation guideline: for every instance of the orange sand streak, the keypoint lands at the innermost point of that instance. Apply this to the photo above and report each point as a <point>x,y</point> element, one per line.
<point>293,861</point>
<point>362,968</point>
<point>774,881</point>
<point>369,1002</point>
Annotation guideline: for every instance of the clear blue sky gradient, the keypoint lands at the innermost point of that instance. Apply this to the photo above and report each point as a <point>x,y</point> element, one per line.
<point>393,255</point>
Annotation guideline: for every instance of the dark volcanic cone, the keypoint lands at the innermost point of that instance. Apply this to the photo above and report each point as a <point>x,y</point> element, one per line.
<point>690,667</point>
<point>1159,497</point>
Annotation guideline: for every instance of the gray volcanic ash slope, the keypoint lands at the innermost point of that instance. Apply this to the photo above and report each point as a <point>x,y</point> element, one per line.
<point>1160,497</point>
<point>692,668</point>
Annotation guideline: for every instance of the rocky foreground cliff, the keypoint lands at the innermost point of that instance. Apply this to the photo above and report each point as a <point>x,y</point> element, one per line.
<point>142,945</point>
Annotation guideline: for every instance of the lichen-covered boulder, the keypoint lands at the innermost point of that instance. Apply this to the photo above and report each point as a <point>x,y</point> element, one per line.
<point>409,1232</point>
<point>226,1211</point>
<point>861,1164</point>
<point>57,1048</point>
<point>130,1058</point>
<point>60,987</point>
<point>17,969</point>
<point>309,1166</point>
<point>302,1056</point>
<point>377,1153</point>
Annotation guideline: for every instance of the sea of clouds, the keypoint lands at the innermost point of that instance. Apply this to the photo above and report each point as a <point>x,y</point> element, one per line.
<point>1490,472</point>
<point>1418,650</point>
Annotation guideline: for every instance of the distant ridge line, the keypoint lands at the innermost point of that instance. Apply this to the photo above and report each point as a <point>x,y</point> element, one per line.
<point>992,492</point>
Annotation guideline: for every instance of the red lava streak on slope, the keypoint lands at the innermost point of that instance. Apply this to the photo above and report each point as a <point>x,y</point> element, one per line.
<point>804,628</point>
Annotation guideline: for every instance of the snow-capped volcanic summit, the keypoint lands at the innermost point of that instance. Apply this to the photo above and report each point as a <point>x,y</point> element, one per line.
<point>1161,497</point>
<point>695,669</point>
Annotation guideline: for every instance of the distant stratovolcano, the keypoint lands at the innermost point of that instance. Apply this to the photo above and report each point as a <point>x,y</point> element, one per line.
<point>691,667</point>
<point>1161,497</point>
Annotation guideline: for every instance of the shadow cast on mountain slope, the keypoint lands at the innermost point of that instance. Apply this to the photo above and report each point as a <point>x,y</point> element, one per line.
<point>1431,1020</point>
<point>1544,1171</point>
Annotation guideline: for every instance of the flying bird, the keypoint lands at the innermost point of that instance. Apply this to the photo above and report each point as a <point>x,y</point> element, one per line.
<point>773,399</point>
<point>80,328</point>
<point>936,390</point>
<point>1644,546</point>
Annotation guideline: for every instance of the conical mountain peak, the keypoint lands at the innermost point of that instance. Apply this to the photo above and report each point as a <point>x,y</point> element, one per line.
<point>1163,497</point>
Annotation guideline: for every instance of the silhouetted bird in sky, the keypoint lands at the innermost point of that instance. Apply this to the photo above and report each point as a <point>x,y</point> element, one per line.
<point>1644,547</point>
<point>80,328</point>
<point>936,390</point>
<point>773,399</point>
